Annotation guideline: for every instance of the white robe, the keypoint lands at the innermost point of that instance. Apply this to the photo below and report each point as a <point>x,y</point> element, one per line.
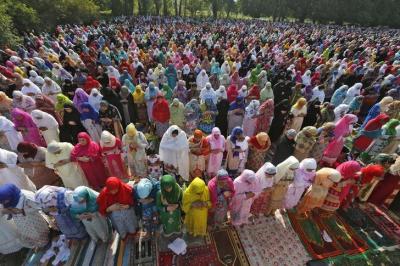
<point>49,122</point>
<point>51,91</point>
<point>13,137</point>
<point>8,236</point>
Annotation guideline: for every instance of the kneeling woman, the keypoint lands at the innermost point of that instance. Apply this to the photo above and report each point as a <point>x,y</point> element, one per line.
<point>84,207</point>
<point>56,201</point>
<point>116,202</point>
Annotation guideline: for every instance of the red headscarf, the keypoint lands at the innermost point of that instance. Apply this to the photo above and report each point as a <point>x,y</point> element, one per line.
<point>348,170</point>
<point>90,149</point>
<point>123,196</point>
<point>254,92</point>
<point>161,109</point>
<point>371,171</point>
<point>232,93</point>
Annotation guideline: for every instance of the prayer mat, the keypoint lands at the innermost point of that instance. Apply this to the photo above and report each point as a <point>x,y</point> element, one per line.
<point>311,234</point>
<point>195,256</point>
<point>137,251</point>
<point>366,228</point>
<point>229,248</point>
<point>383,220</point>
<point>272,241</point>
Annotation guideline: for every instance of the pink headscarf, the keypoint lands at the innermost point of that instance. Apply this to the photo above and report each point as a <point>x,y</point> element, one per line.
<point>246,182</point>
<point>348,170</point>
<point>213,186</point>
<point>343,126</point>
<point>32,134</point>
<point>90,149</point>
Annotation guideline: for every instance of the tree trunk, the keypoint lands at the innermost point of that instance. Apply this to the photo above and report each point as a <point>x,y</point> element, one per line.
<point>214,8</point>
<point>180,7</point>
<point>157,6</point>
<point>176,7</point>
<point>165,7</point>
<point>184,7</point>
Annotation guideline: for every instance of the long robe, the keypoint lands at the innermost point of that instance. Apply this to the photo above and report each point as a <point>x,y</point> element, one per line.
<point>137,160</point>
<point>241,205</point>
<point>215,159</point>
<point>70,173</point>
<point>47,125</point>
<point>8,236</point>
<point>12,136</point>
<point>112,155</point>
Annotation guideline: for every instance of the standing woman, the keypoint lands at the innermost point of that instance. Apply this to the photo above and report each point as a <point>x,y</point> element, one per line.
<point>111,151</point>
<point>305,141</point>
<point>265,116</point>
<point>236,113</point>
<point>110,119</point>
<point>299,111</point>
<point>284,176</point>
<point>325,135</point>
<point>195,203</point>
<point>258,148</point>
<point>116,202</point>
<point>135,143</point>
<point>161,115</point>
<point>221,121</point>
<point>47,125</point>
<point>31,224</point>
<point>61,100</point>
<point>192,115</point>
<point>56,201</point>
<point>150,96</point>
<point>84,208</point>
<point>45,104</point>
<point>312,113</point>
<point>9,136</point>
<point>222,191</point>
<point>80,97</point>
<point>250,118</point>
<point>177,109</point>
<point>95,99</point>
<point>265,180</point>
<point>169,201</point>
<point>236,147</point>
<point>87,154</point>
<point>278,123</point>
<point>245,187</point>
<point>140,105</point>
<point>90,120</point>
<point>207,117</point>
<point>24,123</point>
<point>199,149</point>
<point>72,125</point>
<point>217,148</point>
<point>58,158</point>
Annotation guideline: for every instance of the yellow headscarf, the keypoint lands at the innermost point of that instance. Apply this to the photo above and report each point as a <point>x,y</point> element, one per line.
<point>300,103</point>
<point>138,94</point>
<point>131,130</point>
<point>197,191</point>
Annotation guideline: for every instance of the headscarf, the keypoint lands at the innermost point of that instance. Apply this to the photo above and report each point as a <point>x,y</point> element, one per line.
<point>339,95</point>
<point>89,196</point>
<point>306,171</point>
<point>131,130</point>
<point>91,114</point>
<point>28,149</point>
<point>90,149</point>
<point>389,128</point>
<point>9,195</point>
<point>196,191</point>
<point>123,196</point>
<point>290,164</point>
<point>237,104</point>
<point>345,125</point>
<point>80,97</point>
<point>138,95</point>
<point>252,109</point>
<point>61,101</point>
<point>95,98</point>
<point>223,176</point>
<point>161,109</point>
<point>173,196</point>
<point>144,188</point>
<point>264,181</point>
<point>107,139</point>
<point>246,182</point>
<point>192,110</point>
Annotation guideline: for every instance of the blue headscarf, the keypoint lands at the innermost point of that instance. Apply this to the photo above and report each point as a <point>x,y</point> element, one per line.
<point>92,114</point>
<point>235,133</point>
<point>339,95</point>
<point>130,85</point>
<point>237,104</point>
<point>355,104</point>
<point>372,113</point>
<point>9,195</point>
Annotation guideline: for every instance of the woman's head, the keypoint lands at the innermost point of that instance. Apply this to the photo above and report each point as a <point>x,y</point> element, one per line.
<point>113,185</point>
<point>83,138</point>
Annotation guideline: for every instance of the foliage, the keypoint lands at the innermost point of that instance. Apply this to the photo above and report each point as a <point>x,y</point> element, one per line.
<point>7,34</point>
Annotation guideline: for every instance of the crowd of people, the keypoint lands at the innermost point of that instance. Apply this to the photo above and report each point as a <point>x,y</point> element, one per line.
<point>176,125</point>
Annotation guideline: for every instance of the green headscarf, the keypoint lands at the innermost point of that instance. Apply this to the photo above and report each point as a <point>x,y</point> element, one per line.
<point>61,101</point>
<point>167,181</point>
<point>84,193</point>
<point>390,127</point>
<point>167,92</point>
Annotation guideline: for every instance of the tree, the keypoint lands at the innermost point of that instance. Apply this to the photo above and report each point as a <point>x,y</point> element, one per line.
<point>8,38</point>
<point>157,6</point>
<point>165,8</point>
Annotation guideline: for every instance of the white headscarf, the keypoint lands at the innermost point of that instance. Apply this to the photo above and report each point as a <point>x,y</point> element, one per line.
<point>35,78</point>
<point>31,88</point>
<point>340,111</point>
<point>95,98</point>
<point>43,119</point>
<point>252,108</point>
<point>286,167</point>
<point>264,181</point>
<point>352,92</point>
<point>107,139</point>
<point>221,93</point>
<point>14,137</point>
<point>51,90</point>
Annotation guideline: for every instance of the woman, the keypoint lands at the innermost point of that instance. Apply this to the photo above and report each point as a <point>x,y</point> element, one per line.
<point>258,148</point>
<point>116,202</point>
<point>176,109</point>
<point>245,188</point>
<point>169,200</point>
<point>90,120</point>
<point>266,93</point>
<point>145,194</point>
<point>312,113</point>
<point>87,154</point>
<point>135,143</point>
<point>250,118</point>
<point>340,111</point>
<point>325,135</point>
<point>80,97</point>
<point>56,202</point>
<point>9,136</point>
<point>95,99</point>
<point>217,149</point>
<point>6,104</point>
<point>318,191</point>
<point>58,159</point>
<point>208,113</point>
<point>30,223</point>
<point>32,159</point>
<point>84,208</point>
<point>278,123</point>
<point>391,130</point>
<point>161,115</point>
<point>352,92</point>
<point>284,176</point>
<point>150,96</point>
<point>236,147</point>
<point>181,92</point>
<point>199,149</point>
<point>71,126</point>
<point>50,88</point>
<point>9,242</point>
<point>222,191</point>
<point>174,150</point>
<point>285,147</point>
<point>378,108</point>
<point>192,115</point>
<point>371,131</point>
<point>232,93</point>
<point>140,104</point>
<point>195,204</point>
<point>47,125</point>
<point>221,121</point>
<point>45,104</point>
<point>339,95</point>
<point>110,119</point>
<point>265,181</point>
<point>265,116</point>
<point>11,173</point>
<point>111,151</point>
<point>299,111</point>
<point>236,113</point>
<point>303,178</point>
<point>24,123</point>
<point>305,141</point>
<point>327,114</point>
<point>355,105</point>
<point>23,102</point>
